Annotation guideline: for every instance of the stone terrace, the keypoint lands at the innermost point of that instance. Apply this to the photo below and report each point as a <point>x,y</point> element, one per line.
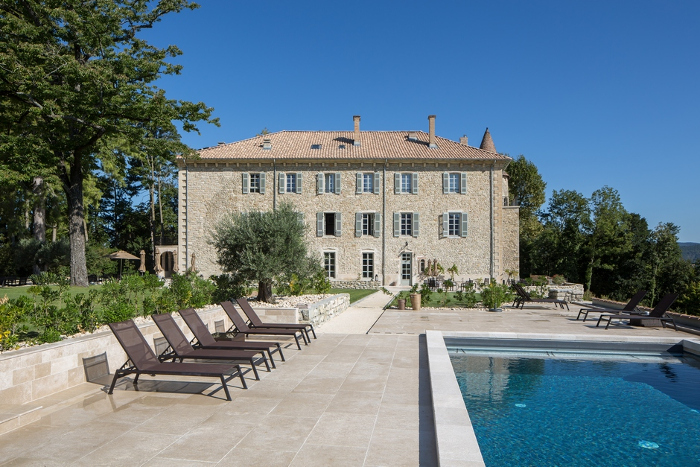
<point>351,398</point>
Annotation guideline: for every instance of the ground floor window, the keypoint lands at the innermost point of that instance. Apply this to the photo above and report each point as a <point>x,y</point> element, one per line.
<point>367,265</point>
<point>329,263</point>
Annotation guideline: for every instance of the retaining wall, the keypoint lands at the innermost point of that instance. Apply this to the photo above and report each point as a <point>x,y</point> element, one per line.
<point>322,311</point>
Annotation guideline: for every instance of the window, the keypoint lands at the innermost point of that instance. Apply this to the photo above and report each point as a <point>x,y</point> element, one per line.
<point>406,223</point>
<point>329,263</point>
<point>406,183</point>
<point>328,223</point>
<point>253,182</point>
<point>367,265</point>
<point>454,224</point>
<point>454,182</point>
<point>421,266</point>
<point>367,223</point>
<point>367,183</point>
<point>289,182</point>
<point>328,183</point>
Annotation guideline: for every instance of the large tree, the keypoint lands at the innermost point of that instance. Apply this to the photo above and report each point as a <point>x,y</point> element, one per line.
<point>77,86</point>
<point>260,246</point>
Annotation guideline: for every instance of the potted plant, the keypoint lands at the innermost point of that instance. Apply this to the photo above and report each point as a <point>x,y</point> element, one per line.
<point>494,295</point>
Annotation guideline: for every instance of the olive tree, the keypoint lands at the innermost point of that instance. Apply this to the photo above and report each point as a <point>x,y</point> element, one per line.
<point>260,246</point>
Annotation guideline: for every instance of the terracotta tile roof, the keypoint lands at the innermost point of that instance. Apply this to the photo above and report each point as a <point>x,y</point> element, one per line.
<point>339,145</point>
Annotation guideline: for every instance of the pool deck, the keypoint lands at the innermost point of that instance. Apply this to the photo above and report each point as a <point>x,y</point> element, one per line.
<point>358,396</point>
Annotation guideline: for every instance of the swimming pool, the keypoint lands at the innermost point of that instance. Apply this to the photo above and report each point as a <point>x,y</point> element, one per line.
<point>533,404</point>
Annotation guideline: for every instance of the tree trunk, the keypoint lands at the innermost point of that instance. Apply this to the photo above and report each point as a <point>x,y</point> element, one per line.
<point>76,227</point>
<point>265,291</point>
<point>152,219</point>
<point>39,215</point>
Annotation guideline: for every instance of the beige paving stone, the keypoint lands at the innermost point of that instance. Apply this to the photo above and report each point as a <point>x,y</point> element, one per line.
<point>128,449</point>
<point>303,405</point>
<point>243,456</point>
<point>209,441</point>
<point>277,432</point>
<point>317,385</point>
<point>324,456</point>
<point>355,403</point>
<point>343,429</point>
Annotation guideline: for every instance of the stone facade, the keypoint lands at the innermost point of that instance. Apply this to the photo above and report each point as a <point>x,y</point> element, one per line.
<point>215,185</point>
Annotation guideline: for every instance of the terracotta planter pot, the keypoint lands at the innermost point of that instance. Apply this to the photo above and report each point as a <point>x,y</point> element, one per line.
<point>402,303</point>
<point>415,301</point>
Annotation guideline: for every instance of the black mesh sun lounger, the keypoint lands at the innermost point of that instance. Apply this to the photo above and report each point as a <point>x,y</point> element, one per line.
<point>241,326</point>
<point>206,341</point>
<point>181,349</point>
<point>141,359</point>
<point>629,308</point>
<point>657,313</point>
<point>523,296</point>
<point>256,322</point>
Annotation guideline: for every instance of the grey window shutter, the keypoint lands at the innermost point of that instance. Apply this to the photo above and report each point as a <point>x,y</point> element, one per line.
<point>319,224</point>
<point>397,183</point>
<point>283,182</point>
<point>397,224</point>
<point>376,183</point>
<point>337,183</point>
<point>300,217</point>
<point>445,224</point>
<point>358,183</point>
<point>298,182</point>
<point>414,179</point>
<point>416,228</point>
<point>463,183</point>
<point>358,224</point>
<point>337,224</point>
<point>377,224</point>
<point>463,232</point>
<point>246,182</point>
<point>319,184</point>
<point>262,183</point>
<point>445,182</point>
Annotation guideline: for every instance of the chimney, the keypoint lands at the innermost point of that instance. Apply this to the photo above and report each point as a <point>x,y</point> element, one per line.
<point>487,142</point>
<point>431,132</point>
<point>413,136</point>
<point>463,140</point>
<point>356,120</point>
<point>267,143</point>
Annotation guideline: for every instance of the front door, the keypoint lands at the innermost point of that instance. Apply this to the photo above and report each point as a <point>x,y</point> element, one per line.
<point>406,269</point>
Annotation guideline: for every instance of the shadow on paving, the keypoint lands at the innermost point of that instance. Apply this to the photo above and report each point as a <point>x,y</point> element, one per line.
<point>426,422</point>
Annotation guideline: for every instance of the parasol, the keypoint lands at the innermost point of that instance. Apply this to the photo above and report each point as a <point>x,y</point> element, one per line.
<point>142,266</point>
<point>121,255</point>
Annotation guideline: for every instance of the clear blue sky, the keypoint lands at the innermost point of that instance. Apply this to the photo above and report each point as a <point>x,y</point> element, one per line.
<point>593,92</point>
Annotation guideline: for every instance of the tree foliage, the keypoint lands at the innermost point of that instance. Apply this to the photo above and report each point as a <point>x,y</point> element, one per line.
<point>77,87</point>
<point>260,246</point>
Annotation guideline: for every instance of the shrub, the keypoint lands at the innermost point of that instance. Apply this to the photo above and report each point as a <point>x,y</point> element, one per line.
<point>468,297</point>
<point>228,287</point>
<point>321,284</point>
<point>425,293</point>
<point>189,290</point>
<point>494,295</point>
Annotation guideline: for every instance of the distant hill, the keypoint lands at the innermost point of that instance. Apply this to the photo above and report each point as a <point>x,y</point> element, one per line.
<point>690,250</point>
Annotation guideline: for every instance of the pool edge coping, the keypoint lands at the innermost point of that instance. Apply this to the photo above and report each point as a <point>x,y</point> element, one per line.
<point>455,440</point>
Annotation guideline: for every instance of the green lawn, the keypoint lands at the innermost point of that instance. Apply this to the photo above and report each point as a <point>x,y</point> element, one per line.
<point>355,294</point>
<point>436,301</point>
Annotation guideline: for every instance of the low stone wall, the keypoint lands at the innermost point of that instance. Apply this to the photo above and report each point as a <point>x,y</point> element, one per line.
<point>567,291</point>
<point>322,311</point>
<point>277,315</point>
<point>356,284</point>
<point>34,372</point>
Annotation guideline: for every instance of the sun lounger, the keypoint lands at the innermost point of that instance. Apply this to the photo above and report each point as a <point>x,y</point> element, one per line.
<point>256,322</point>
<point>657,313</point>
<point>206,341</point>
<point>181,349</point>
<point>522,297</point>
<point>629,308</point>
<point>240,325</point>
<point>141,359</point>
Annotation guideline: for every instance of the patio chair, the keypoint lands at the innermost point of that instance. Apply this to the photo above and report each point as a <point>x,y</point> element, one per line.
<point>657,313</point>
<point>240,326</point>
<point>629,308</point>
<point>524,297</point>
<point>181,349</point>
<point>206,341</point>
<point>141,359</point>
<point>256,322</point>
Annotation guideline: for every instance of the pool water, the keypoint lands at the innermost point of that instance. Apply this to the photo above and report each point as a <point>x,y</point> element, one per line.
<point>543,409</point>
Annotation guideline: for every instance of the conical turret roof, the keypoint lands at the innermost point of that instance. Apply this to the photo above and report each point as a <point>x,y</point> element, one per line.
<point>487,142</point>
